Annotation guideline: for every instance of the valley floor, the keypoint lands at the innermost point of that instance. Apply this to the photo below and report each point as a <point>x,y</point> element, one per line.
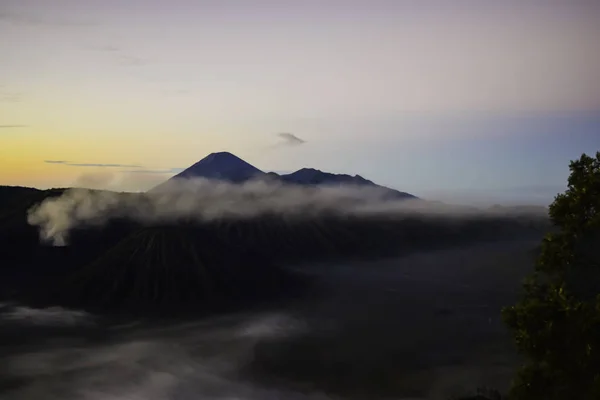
<point>425,326</point>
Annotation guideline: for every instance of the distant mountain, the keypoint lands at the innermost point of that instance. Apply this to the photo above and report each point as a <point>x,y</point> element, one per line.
<point>311,176</point>
<point>228,167</point>
<point>222,166</point>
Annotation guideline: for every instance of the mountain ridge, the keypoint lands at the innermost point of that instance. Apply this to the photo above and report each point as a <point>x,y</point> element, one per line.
<point>231,168</point>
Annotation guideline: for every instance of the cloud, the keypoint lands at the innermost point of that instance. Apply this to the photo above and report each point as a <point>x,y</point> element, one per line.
<point>100,165</point>
<point>206,200</point>
<point>155,171</point>
<point>289,139</point>
<point>12,126</point>
<point>117,181</point>
<point>95,180</point>
<point>103,165</point>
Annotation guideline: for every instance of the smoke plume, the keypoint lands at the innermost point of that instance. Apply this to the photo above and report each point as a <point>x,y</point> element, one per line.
<point>207,200</point>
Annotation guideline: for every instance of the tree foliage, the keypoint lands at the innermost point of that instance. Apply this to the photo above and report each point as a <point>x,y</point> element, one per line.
<point>556,324</point>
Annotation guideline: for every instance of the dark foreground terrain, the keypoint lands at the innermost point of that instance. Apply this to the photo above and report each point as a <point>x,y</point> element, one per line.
<point>214,265</point>
<point>273,306</point>
<point>425,326</point>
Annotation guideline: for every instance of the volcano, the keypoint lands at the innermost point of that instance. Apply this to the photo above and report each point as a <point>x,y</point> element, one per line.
<point>228,167</point>
<point>222,166</point>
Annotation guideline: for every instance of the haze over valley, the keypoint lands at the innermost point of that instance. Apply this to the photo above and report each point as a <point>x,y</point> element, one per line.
<point>265,270</point>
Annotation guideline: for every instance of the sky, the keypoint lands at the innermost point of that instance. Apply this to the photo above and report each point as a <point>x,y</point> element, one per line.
<point>461,101</point>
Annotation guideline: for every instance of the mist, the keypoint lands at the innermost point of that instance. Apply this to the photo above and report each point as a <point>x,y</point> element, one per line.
<point>424,325</point>
<point>420,327</point>
<point>137,360</point>
<point>206,200</point>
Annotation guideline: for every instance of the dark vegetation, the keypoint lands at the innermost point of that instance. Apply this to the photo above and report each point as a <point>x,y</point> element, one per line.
<point>556,324</point>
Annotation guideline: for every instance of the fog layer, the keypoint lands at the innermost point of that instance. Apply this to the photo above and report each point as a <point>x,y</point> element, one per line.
<point>206,200</point>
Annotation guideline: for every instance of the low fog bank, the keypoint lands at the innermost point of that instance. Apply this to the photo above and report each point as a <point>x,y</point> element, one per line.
<point>207,200</point>
<point>185,360</point>
<point>425,326</point>
<point>51,316</point>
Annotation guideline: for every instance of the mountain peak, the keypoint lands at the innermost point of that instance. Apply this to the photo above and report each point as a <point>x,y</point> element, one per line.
<point>221,165</point>
<point>220,155</point>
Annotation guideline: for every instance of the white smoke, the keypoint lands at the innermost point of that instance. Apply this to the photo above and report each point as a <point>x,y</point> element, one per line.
<point>206,200</point>
<point>51,316</point>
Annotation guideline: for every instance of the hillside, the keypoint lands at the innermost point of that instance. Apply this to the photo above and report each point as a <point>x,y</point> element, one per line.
<point>172,268</point>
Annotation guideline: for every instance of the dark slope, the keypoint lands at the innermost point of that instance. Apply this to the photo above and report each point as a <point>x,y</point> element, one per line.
<point>173,269</point>
<point>228,265</point>
<point>315,176</point>
<point>220,166</point>
<point>350,237</point>
<point>11,196</point>
<point>14,200</point>
<point>311,176</point>
<point>25,262</point>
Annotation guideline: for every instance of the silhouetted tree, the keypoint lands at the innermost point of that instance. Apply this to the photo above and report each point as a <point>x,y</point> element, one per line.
<point>556,325</point>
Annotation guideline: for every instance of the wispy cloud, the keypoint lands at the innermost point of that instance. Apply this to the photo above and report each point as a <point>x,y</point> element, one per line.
<point>155,171</point>
<point>101,165</point>
<point>130,168</point>
<point>208,200</point>
<point>289,139</point>
<point>12,126</point>
<point>104,165</point>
